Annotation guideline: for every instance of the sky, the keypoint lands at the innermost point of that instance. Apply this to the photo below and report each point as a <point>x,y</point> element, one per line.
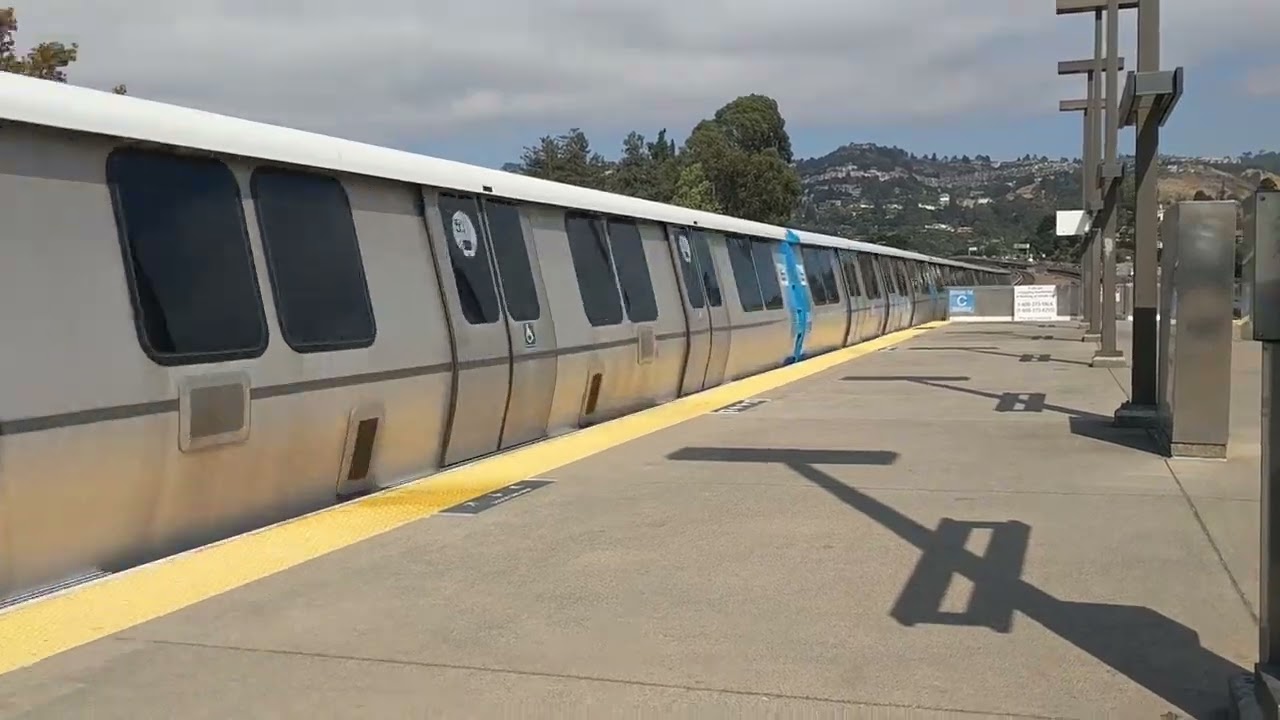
<point>477,82</point>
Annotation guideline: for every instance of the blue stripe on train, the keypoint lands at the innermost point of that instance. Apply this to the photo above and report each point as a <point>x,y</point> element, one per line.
<point>800,307</point>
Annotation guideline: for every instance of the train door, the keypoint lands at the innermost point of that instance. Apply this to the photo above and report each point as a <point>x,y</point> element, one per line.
<point>718,357</point>
<point>697,318</point>
<point>530,328</point>
<point>876,294</point>
<point>908,290</point>
<point>485,337</point>
<point>857,300</point>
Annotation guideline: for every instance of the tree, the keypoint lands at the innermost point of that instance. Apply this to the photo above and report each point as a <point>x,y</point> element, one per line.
<point>47,60</point>
<point>745,154</point>
<point>754,124</point>
<point>567,158</point>
<point>647,170</point>
<point>693,190</point>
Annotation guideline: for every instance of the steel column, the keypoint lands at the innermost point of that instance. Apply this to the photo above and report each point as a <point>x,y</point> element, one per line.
<point>1146,214</point>
<point>1108,355</point>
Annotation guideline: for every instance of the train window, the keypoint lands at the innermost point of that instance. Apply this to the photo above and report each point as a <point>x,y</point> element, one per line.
<point>313,259</point>
<point>818,265</point>
<point>469,258</point>
<point>817,290</point>
<point>187,258</point>
<point>633,271</point>
<point>710,283</point>
<point>904,282</point>
<point>597,283</point>
<point>512,256</point>
<point>868,263</point>
<point>692,283</point>
<point>767,273</point>
<point>848,264</point>
<point>909,276</point>
<point>890,278</point>
<point>744,274</point>
<point>827,259</point>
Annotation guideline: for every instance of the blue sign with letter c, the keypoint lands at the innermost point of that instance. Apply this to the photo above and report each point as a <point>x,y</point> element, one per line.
<point>961,302</point>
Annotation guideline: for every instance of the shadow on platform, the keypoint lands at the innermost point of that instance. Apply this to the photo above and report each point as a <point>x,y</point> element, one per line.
<point>1154,651</point>
<point>1081,422</point>
<point>1013,334</point>
<point>991,350</point>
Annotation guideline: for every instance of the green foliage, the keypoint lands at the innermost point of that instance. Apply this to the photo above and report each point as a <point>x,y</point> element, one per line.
<point>754,125</point>
<point>693,190</point>
<point>567,158</point>
<point>46,61</point>
<point>737,162</point>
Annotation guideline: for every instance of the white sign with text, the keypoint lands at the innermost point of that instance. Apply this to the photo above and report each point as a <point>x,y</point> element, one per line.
<point>1035,302</point>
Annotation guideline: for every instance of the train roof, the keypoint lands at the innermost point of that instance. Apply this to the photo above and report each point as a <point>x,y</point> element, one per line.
<point>67,107</point>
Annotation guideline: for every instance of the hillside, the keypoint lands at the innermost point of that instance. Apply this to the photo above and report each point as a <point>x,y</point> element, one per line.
<point>947,205</point>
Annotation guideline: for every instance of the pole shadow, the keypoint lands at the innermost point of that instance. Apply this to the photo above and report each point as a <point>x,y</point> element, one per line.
<point>989,350</point>
<point>1015,335</point>
<point>1151,649</point>
<point>1081,422</point>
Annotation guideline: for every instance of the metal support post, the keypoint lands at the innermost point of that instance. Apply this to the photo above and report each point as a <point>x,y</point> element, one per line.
<point>1258,694</point>
<point>1108,355</point>
<point>1089,275</point>
<point>1094,113</point>
<point>1084,203</point>
<point>1086,281</point>
<point>1146,214</point>
<point>1269,547</point>
<point>1149,97</point>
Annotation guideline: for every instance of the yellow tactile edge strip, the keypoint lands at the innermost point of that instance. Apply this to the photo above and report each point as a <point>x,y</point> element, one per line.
<point>35,631</point>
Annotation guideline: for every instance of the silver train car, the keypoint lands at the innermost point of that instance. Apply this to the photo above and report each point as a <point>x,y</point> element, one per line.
<point>210,325</point>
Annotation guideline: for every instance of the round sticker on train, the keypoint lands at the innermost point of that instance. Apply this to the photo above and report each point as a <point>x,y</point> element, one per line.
<point>685,253</point>
<point>464,234</point>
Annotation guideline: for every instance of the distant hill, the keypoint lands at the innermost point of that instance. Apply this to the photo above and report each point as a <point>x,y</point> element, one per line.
<point>944,205</point>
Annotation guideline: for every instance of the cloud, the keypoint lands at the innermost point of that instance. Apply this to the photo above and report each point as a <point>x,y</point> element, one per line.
<point>404,71</point>
<point>1263,82</point>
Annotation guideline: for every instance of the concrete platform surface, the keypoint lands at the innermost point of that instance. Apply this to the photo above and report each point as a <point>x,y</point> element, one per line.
<point>947,527</point>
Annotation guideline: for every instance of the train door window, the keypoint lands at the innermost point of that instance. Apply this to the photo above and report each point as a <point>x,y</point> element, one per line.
<point>827,260</point>
<point>912,277</point>
<point>512,256</point>
<point>767,273</point>
<point>633,271</point>
<point>187,257</point>
<point>848,265</point>
<point>469,258</point>
<point>597,284</point>
<point>692,283</point>
<point>884,278</point>
<point>744,274</point>
<point>868,263</point>
<point>710,283</point>
<point>904,278</point>
<point>313,259</point>
<point>813,273</point>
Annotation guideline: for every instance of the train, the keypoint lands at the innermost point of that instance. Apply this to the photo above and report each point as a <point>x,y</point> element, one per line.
<point>211,325</point>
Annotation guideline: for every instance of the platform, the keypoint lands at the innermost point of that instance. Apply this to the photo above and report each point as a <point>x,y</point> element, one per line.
<point>945,526</point>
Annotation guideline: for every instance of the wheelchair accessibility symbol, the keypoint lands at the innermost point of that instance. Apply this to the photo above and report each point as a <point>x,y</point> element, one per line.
<point>961,302</point>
